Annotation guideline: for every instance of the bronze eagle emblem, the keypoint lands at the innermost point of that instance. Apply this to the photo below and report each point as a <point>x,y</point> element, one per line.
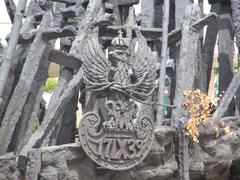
<point>129,68</point>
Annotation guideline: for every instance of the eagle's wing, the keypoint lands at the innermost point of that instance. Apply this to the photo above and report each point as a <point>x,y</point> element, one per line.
<point>144,66</point>
<point>95,65</point>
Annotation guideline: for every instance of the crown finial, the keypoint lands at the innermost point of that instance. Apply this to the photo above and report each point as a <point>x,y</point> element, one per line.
<point>120,33</point>
<point>119,42</point>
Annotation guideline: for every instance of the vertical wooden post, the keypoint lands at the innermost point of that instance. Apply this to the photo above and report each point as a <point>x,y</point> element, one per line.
<point>187,67</point>
<point>235,9</point>
<point>19,57</point>
<point>94,10</point>
<point>12,44</point>
<point>164,56</point>
<point>33,164</point>
<point>225,50</point>
<point>147,13</point>
<point>183,151</point>
<point>36,62</point>
<point>179,7</point>
<point>11,9</point>
<point>209,45</point>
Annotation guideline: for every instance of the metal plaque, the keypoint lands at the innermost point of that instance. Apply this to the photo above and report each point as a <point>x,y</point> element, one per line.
<point>114,134</point>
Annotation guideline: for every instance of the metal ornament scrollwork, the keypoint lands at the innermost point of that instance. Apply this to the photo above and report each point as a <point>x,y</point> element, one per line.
<point>122,138</point>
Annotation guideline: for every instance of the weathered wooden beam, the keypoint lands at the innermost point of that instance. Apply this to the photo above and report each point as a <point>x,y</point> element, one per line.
<point>123,2</point>
<point>187,67</point>
<point>11,9</point>
<point>209,18</point>
<point>227,97</point>
<point>177,18</point>
<point>14,74</point>
<point>148,33</point>
<point>54,33</point>
<point>209,46</point>
<point>226,52</point>
<point>34,164</point>
<point>183,150</point>
<point>11,48</point>
<point>174,36</point>
<point>180,7</point>
<point>151,33</point>
<point>19,59</point>
<point>66,75</point>
<point>53,114</point>
<point>26,37</point>
<point>34,62</point>
<point>64,58</point>
<point>219,1</point>
<point>67,31</point>
<point>164,57</point>
<point>235,9</point>
<point>68,12</point>
<point>69,2</point>
<point>31,108</point>
<point>108,7</point>
<point>115,2</point>
<point>67,126</point>
<point>147,13</point>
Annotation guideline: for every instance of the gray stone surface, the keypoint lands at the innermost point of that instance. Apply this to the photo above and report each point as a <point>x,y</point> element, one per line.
<point>8,168</point>
<point>66,162</point>
<point>213,158</point>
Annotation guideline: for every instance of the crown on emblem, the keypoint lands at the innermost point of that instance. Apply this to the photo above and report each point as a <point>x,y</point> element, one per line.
<point>120,42</point>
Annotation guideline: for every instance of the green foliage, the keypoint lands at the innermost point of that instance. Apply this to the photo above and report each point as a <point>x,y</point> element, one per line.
<point>216,70</point>
<point>35,125</point>
<point>235,68</point>
<point>50,85</point>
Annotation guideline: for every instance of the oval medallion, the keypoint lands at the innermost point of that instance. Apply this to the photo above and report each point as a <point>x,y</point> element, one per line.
<point>114,148</point>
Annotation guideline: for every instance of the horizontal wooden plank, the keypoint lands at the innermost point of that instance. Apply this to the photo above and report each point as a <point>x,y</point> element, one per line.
<point>54,33</point>
<point>148,33</point>
<point>219,1</point>
<point>123,2</point>
<point>64,58</point>
<point>198,25</point>
<point>70,2</point>
<point>115,2</point>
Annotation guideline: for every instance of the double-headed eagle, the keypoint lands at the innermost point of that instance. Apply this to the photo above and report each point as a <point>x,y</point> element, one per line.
<point>129,69</point>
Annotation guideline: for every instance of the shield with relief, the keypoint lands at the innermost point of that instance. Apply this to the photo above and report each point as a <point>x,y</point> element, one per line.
<point>112,132</point>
